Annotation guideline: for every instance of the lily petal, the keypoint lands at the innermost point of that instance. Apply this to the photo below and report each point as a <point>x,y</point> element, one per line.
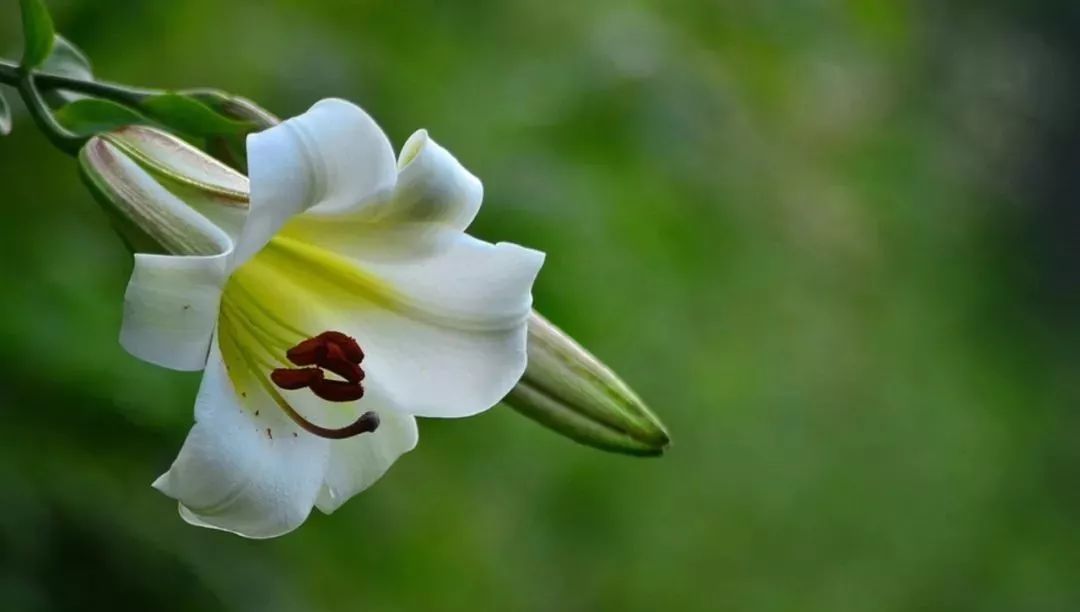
<point>171,303</point>
<point>434,193</point>
<point>241,472</point>
<point>444,331</point>
<point>356,463</point>
<point>433,186</point>
<point>333,159</point>
<point>171,308</point>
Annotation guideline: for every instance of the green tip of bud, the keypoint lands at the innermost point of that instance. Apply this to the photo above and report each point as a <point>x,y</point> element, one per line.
<point>570,391</point>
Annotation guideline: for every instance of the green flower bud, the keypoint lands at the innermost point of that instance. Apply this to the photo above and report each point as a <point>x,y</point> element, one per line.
<point>162,194</point>
<point>570,391</point>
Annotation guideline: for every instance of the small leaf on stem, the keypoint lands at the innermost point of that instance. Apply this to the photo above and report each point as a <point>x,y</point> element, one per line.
<point>91,116</point>
<point>189,116</point>
<point>69,61</point>
<point>38,33</point>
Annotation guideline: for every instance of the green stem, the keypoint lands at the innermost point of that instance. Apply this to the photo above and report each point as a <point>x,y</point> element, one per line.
<point>61,138</point>
<point>10,74</point>
<point>30,84</point>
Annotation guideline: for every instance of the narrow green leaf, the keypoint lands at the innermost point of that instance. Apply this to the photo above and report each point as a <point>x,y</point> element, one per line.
<point>93,116</point>
<point>66,60</point>
<point>189,116</point>
<point>38,33</point>
<point>5,117</point>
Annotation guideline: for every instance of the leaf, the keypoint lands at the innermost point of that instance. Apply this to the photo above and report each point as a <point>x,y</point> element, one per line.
<point>38,33</point>
<point>91,116</point>
<point>66,60</point>
<point>5,117</point>
<point>188,115</point>
<point>234,107</point>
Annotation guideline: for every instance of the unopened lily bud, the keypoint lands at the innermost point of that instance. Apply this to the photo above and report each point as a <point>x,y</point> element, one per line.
<point>569,390</point>
<point>162,194</point>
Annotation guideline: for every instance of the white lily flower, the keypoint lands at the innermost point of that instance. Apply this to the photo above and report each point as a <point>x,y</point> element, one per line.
<point>349,265</point>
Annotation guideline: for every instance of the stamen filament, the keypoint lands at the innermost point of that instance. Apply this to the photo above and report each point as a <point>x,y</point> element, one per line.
<point>249,299</point>
<point>235,327</point>
<point>267,336</point>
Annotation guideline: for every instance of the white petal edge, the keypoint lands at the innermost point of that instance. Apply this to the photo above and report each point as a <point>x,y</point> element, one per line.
<point>438,372</point>
<point>467,284</point>
<point>358,462</point>
<point>459,345</point>
<point>434,200</point>
<point>333,159</point>
<point>433,186</point>
<point>232,475</point>
<point>171,302</point>
<point>171,309</point>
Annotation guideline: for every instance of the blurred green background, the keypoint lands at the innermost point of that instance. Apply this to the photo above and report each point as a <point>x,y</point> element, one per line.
<point>834,244</point>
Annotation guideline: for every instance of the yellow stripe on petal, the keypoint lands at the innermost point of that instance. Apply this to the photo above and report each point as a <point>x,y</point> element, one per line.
<point>336,280</point>
<point>235,367</point>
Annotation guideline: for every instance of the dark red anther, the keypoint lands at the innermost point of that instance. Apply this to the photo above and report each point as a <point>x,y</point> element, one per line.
<point>331,351</point>
<point>292,379</point>
<point>337,391</point>
<point>313,350</point>
<point>334,360</point>
<point>307,352</point>
<point>346,343</point>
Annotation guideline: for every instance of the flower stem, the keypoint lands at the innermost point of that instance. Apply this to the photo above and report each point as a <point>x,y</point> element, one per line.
<point>60,138</point>
<point>10,74</point>
<point>30,84</point>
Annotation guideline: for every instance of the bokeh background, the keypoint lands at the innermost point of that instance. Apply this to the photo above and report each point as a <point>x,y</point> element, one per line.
<point>835,245</point>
